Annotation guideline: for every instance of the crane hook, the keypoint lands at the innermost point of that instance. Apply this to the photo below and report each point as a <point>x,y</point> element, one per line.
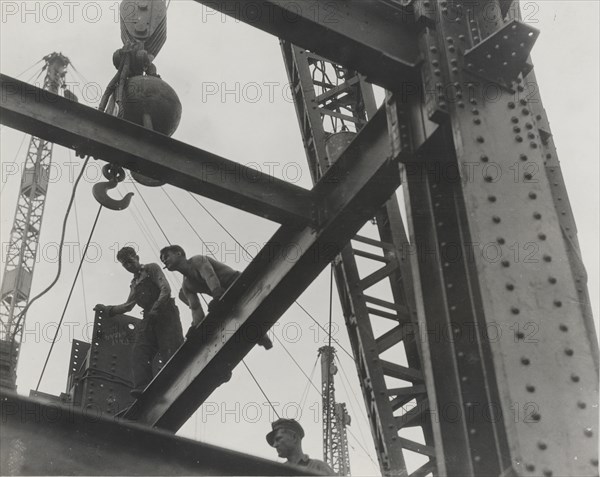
<point>100,190</point>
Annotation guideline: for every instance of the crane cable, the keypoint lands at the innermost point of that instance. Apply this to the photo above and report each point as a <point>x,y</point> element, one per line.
<point>70,294</point>
<point>204,243</point>
<point>329,333</point>
<point>328,385</point>
<point>14,160</point>
<point>245,250</point>
<point>60,249</point>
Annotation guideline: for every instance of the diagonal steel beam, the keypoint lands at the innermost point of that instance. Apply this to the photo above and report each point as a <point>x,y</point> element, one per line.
<point>73,125</point>
<point>358,183</point>
<point>370,36</point>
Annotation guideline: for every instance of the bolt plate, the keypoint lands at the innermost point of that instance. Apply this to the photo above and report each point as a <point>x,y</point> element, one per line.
<point>502,56</point>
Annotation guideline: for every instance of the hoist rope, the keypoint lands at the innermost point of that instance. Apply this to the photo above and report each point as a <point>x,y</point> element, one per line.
<point>151,213</point>
<point>261,389</point>
<point>304,395</point>
<point>245,250</point>
<point>60,249</point>
<point>204,243</point>
<point>27,69</point>
<point>14,161</point>
<point>70,294</point>
<point>85,309</point>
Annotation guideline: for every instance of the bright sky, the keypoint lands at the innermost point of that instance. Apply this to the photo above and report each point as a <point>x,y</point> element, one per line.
<point>236,103</point>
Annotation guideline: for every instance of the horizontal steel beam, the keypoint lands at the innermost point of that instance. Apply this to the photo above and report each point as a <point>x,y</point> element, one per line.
<point>369,36</point>
<point>46,438</point>
<point>357,184</point>
<point>75,126</point>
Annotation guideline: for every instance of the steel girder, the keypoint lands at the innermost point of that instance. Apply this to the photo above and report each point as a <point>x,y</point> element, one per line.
<point>46,438</point>
<point>352,189</point>
<point>318,99</point>
<point>351,33</point>
<point>56,119</point>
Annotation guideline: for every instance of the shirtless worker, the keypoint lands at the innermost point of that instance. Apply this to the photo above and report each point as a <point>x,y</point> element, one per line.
<point>202,275</point>
<point>160,330</point>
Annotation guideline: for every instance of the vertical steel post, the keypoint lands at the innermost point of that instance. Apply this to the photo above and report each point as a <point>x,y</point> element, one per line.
<point>510,351</point>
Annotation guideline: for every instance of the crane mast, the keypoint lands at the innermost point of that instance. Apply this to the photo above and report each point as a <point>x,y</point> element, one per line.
<point>335,417</point>
<point>25,234</point>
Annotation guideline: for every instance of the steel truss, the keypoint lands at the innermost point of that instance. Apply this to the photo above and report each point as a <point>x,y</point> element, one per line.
<point>25,235</point>
<point>330,99</point>
<point>335,417</point>
<point>523,400</point>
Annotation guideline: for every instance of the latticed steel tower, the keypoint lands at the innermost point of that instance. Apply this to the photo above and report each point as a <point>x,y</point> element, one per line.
<point>335,417</point>
<point>25,234</point>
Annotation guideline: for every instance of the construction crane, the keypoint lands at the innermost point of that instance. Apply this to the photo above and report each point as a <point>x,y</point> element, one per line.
<point>335,417</point>
<point>25,234</point>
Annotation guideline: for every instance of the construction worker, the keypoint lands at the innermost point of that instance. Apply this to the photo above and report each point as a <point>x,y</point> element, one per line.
<point>286,437</point>
<point>160,330</point>
<point>202,275</point>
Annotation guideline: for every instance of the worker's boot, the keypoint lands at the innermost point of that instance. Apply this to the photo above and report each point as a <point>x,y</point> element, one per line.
<point>265,342</point>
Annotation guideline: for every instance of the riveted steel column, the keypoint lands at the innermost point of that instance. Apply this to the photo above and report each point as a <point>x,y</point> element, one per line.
<point>508,342</point>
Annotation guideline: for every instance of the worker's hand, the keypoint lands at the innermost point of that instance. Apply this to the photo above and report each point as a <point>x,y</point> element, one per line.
<point>216,306</point>
<point>101,308</point>
<point>192,331</point>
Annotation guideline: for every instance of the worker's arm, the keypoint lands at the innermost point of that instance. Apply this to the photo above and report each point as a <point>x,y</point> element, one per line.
<point>191,297</point>
<point>118,309</point>
<point>158,277</point>
<point>207,272</point>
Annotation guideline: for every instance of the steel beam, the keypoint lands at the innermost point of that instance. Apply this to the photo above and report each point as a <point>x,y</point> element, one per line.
<point>352,189</point>
<point>351,33</point>
<point>58,120</point>
<point>45,438</point>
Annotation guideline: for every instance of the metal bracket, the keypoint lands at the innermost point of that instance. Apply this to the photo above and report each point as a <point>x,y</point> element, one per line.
<point>432,76</point>
<point>502,56</point>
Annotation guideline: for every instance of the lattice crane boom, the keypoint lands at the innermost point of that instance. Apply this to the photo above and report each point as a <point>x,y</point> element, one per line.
<point>335,417</point>
<point>25,234</point>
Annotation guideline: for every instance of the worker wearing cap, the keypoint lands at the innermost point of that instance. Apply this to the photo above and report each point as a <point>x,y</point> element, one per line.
<point>286,437</point>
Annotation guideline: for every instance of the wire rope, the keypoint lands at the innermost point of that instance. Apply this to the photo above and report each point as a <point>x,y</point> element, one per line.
<point>245,250</point>
<point>60,249</point>
<point>69,296</point>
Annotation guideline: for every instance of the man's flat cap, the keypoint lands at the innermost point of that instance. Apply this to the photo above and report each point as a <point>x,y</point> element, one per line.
<point>289,424</point>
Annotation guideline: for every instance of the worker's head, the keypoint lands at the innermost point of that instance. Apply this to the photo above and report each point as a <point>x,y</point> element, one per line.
<point>172,256</point>
<point>286,437</point>
<point>128,257</point>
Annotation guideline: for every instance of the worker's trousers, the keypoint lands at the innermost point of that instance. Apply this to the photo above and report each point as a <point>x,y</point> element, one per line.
<point>160,334</point>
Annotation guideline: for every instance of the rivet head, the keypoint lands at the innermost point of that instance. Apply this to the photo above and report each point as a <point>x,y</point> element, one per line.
<point>588,432</point>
